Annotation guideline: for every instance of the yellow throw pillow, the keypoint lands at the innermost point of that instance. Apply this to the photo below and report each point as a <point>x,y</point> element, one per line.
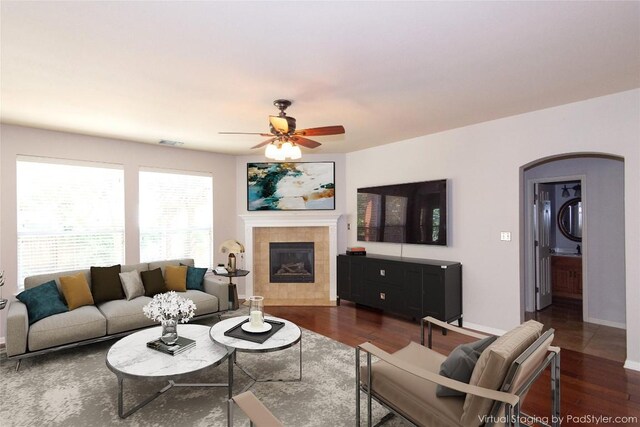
<point>175,278</point>
<point>76,290</point>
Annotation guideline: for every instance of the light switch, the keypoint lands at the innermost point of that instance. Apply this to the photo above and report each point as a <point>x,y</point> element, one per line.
<point>505,236</point>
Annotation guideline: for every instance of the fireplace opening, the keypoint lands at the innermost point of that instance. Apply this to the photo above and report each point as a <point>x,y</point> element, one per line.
<point>291,262</point>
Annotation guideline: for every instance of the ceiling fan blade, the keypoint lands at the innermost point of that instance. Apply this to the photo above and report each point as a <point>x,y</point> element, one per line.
<point>263,143</point>
<point>321,131</point>
<point>245,133</point>
<point>304,142</point>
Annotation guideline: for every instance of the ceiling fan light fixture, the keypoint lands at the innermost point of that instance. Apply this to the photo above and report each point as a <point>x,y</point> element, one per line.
<point>286,148</point>
<point>280,156</point>
<point>271,151</point>
<point>296,153</point>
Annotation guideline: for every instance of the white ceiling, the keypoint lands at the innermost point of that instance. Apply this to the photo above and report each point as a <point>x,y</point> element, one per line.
<point>387,71</point>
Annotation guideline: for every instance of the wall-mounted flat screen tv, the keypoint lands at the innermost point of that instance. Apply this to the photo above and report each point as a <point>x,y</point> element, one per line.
<point>404,213</point>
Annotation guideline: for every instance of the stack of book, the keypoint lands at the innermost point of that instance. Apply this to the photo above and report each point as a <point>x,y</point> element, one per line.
<point>356,251</point>
<point>183,344</point>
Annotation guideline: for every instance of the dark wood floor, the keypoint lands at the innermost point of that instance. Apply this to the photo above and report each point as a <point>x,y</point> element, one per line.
<point>591,386</point>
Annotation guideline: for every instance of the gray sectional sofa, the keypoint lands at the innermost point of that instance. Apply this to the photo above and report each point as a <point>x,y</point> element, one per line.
<point>92,323</point>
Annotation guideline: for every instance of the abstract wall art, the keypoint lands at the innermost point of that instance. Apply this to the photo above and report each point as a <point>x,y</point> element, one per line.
<point>291,186</point>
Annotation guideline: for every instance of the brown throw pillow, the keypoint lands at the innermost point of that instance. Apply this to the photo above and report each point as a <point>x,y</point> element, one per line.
<point>76,290</point>
<point>175,278</point>
<point>153,282</point>
<point>105,283</point>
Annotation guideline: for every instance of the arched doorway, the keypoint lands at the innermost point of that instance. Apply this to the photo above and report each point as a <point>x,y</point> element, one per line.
<point>576,284</point>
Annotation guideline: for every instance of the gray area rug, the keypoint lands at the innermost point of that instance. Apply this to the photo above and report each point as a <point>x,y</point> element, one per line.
<point>75,388</point>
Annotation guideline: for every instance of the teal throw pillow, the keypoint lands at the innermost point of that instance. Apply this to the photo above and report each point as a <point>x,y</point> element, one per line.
<point>460,363</point>
<point>195,278</point>
<point>42,301</point>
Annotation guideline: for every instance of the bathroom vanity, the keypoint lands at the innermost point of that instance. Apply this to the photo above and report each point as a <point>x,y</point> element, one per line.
<point>566,276</point>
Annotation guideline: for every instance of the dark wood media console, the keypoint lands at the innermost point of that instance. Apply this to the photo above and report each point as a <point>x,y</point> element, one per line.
<point>409,287</point>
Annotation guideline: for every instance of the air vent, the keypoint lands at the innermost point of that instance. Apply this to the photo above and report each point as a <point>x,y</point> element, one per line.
<point>171,143</point>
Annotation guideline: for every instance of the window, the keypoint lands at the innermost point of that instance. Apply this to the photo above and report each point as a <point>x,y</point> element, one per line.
<point>70,215</point>
<point>176,216</point>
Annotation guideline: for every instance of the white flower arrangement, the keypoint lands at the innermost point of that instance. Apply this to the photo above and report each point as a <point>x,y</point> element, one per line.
<point>169,306</point>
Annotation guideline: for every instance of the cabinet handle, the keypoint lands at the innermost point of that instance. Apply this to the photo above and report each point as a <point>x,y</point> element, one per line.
<point>382,273</point>
<point>383,296</point>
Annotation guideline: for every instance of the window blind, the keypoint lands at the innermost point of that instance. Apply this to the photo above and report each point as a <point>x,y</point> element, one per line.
<point>176,216</point>
<point>70,215</point>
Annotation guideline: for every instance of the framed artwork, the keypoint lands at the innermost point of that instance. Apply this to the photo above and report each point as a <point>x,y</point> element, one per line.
<point>291,186</point>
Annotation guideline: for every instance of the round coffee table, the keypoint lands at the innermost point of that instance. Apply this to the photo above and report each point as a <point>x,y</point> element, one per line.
<point>131,358</point>
<point>288,336</point>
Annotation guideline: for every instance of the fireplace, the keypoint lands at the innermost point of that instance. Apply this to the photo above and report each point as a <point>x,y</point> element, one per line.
<point>291,262</point>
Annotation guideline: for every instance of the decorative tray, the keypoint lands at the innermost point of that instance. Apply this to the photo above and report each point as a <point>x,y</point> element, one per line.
<point>238,332</point>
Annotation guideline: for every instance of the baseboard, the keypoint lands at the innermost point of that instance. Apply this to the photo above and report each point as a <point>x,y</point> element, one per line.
<point>631,364</point>
<point>607,323</point>
<point>482,328</point>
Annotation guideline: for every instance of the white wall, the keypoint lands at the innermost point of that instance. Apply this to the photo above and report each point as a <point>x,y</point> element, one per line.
<point>483,164</point>
<point>340,198</point>
<point>16,140</point>
<point>603,246</point>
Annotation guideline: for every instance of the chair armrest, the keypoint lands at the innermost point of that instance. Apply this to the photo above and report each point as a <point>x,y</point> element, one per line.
<point>427,320</point>
<point>500,396</point>
<point>17,328</point>
<point>220,290</point>
<point>255,410</point>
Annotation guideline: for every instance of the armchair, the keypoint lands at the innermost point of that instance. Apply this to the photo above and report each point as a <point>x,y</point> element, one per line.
<point>405,382</point>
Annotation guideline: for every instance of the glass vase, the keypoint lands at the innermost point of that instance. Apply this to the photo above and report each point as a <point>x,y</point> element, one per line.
<point>256,312</point>
<point>169,331</point>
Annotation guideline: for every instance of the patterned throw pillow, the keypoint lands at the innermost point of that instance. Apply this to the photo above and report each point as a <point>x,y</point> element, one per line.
<point>42,301</point>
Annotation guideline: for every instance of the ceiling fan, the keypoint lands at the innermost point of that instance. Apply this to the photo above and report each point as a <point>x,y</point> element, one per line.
<point>285,141</point>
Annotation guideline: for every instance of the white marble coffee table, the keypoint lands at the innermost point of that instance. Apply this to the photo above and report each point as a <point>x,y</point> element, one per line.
<point>288,336</point>
<point>131,358</point>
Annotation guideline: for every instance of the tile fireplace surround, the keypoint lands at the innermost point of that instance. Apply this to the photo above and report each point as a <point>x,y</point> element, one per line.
<point>260,229</point>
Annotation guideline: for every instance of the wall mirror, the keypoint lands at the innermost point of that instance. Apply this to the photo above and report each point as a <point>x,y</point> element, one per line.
<point>570,219</point>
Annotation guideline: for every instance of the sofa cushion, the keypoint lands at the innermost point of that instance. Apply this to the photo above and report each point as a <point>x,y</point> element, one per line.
<point>163,264</point>
<point>413,396</point>
<point>205,303</point>
<point>153,282</point>
<point>175,278</point>
<point>138,267</point>
<point>123,315</point>
<point>42,301</point>
<point>36,280</point>
<point>493,365</point>
<point>80,324</point>
<point>105,283</point>
<point>460,363</point>
<point>76,290</point>
<point>195,278</point>
<point>132,284</point>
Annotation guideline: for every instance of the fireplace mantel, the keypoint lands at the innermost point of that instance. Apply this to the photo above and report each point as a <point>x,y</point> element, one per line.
<point>299,219</point>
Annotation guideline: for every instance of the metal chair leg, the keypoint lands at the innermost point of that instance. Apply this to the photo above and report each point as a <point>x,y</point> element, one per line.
<point>358,386</point>
<point>555,389</point>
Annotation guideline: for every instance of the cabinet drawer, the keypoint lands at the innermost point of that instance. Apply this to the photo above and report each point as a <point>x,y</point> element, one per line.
<point>385,297</point>
<point>384,272</point>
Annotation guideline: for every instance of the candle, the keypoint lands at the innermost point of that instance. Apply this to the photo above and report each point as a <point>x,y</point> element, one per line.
<point>256,319</point>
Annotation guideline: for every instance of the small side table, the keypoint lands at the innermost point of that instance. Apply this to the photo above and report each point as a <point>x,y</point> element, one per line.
<point>234,304</point>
